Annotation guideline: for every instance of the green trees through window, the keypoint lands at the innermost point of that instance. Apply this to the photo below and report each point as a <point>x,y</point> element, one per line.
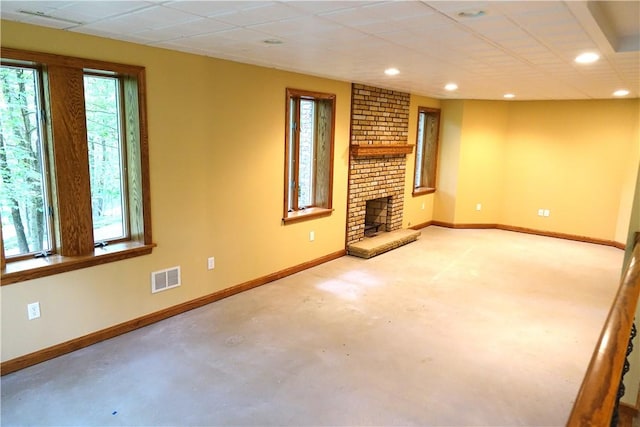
<point>104,136</point>
<point>74,164</point>
<point>24,190</point>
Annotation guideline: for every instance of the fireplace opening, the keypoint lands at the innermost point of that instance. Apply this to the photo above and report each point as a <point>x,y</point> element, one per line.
<point>376,216</point>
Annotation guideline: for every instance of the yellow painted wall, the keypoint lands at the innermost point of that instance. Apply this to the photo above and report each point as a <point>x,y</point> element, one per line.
<point>578,159</point>
<point>630,197</point>
<point>444,207</point>
<point>570,157</point>
<point>417,210</point>
<point>216,138</point>
<point>481,171</point>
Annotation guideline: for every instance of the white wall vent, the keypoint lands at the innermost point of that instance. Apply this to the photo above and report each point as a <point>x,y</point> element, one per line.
<point>165,279</point>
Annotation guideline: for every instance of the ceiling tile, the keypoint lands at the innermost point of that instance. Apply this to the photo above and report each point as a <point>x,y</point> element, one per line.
<point>526,47</point>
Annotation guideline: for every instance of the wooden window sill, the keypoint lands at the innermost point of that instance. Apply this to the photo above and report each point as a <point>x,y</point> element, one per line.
<point>33,268</point>
<point>305,214</point>
<point>422,191</point>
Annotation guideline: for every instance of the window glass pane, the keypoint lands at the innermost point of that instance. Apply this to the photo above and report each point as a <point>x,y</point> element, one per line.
<point>419,151</point>
<point>306,153</point>
<point>430,151</point>
<point>292,152</point>
<point>23,193</point>
<point>104,136</point>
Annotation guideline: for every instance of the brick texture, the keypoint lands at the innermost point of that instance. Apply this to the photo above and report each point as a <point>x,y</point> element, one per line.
<point>378,116</point>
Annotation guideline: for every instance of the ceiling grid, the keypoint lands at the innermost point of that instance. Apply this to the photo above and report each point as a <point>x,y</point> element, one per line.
<point>488,48</point>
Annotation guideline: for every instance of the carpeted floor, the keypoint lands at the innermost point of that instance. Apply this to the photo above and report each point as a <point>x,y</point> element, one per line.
<point>460,328</point>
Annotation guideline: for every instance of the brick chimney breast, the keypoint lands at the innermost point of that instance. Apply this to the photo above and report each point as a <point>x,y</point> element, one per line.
<point>378,117</point>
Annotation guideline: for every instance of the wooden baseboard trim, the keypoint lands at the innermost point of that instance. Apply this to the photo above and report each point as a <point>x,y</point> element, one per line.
<point>626,414</point>
<point>531,231</point>
<point>463,226</point>
<point>48,353</point>
<point>420,226</point>
<point>562,236</point>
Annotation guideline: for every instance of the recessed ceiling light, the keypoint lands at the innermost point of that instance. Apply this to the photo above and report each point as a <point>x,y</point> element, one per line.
<point>272,41</point>
<point>474,13</point>
<point>509,95</point>
<point>392,71</point>
<point>451,86</point>
<point>621,92</point>
<point>587,58</point>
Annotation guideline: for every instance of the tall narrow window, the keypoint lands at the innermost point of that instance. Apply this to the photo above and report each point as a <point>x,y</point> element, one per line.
<point>309,154</point>
<point>24,194</point>
<point>424,180</point>
<point>104,137</point>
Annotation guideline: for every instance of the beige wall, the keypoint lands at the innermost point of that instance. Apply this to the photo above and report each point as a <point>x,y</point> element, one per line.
<point>216,138</point>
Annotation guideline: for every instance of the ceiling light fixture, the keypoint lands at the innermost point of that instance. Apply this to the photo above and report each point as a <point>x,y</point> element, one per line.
<point>621,92</point>
<point>451,86</point>
<point>587,58</point>
<point>272,41</point>
<point>55,18</point>
<point>392,71</point>
<point>509,96</point>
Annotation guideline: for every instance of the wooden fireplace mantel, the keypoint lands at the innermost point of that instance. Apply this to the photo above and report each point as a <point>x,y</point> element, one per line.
<point>375,150</point>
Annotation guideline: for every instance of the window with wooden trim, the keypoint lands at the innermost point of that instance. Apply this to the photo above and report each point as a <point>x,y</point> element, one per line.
<point>73,164</point>
<point>424,178</point>
<point>309,139</point>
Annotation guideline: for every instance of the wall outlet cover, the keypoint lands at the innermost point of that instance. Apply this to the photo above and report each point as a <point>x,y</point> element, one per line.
<point>33,310</point>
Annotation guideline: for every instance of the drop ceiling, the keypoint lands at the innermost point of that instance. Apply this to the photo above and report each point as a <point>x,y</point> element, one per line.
<point>488,48</point>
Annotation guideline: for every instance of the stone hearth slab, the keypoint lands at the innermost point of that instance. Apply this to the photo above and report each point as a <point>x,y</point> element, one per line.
<point>383,242</point>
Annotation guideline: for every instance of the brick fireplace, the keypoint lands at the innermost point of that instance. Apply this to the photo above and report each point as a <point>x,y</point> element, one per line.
<point>379,131</point>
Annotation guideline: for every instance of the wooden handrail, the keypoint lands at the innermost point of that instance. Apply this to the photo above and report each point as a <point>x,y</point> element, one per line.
<point>597,397</point>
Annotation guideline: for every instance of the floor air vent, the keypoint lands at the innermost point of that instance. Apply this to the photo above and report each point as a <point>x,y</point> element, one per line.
<point>165,279</point>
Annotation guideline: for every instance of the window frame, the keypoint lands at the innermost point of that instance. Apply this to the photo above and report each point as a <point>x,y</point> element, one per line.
<point>44,147</point>
<point>123,157</point>
<point>69,169</point>
<point>291,149</point>
<point>422,190</point>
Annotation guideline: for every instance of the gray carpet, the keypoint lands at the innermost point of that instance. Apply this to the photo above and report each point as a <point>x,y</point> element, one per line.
<point>460,328</point>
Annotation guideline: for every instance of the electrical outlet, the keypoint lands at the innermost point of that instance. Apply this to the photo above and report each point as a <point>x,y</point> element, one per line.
<point>33,310</point>
<point>546,212</point>
<point>422,205</point>
<point>540,212</point>
<point>312,236</point>
<point>479,206</point>
<point>211,263</point>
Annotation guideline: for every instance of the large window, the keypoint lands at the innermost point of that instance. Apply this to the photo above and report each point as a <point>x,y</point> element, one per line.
<point>73,164</point>
<point>424,180</point>
<point>308,154</point>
